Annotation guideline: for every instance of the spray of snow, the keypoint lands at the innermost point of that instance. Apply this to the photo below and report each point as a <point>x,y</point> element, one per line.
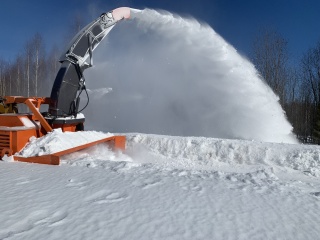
<point>98,93</point>
<point>176,76</point>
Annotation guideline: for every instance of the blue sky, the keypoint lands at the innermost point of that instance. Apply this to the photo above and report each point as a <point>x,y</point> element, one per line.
<point>238,21</point>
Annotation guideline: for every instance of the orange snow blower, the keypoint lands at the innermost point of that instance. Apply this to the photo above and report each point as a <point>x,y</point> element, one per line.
<point>17,128</point>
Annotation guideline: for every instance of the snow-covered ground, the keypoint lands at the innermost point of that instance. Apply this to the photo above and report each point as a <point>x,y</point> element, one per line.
<point>179,77</point>
<point>165,187</point>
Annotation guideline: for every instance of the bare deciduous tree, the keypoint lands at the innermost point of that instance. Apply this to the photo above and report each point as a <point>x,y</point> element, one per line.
<point>27,66</point>
<point>38,63</point>
<point>3,68</point>
<point>34,64</point>
<point>310,70</point>
<point>270,56</point>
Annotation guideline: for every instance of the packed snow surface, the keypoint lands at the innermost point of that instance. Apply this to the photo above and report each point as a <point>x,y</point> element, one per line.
<point>164,187</point>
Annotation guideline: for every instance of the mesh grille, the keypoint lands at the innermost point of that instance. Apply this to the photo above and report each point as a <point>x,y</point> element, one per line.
<point>4,140</point>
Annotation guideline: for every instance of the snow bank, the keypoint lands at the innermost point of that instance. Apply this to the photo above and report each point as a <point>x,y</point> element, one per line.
<point>198,153</point>
<point>211,153</point>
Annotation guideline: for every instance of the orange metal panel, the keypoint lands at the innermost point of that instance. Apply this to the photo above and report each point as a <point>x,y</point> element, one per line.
<point>45,159</point>
<point>120,142</point>
<point>21,138</point>
<point>65,127</point>
<point>15,140</point>
<point>10,120</point>
<point>20,99</point>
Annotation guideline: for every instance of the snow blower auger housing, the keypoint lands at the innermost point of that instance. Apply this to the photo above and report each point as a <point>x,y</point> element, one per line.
<point>63,111</point>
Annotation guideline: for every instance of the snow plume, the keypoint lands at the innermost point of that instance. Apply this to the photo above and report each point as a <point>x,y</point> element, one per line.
<point>98,93</point>
<point>176,76</point>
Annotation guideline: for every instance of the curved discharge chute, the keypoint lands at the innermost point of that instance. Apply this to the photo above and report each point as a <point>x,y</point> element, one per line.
<point>77,57</point>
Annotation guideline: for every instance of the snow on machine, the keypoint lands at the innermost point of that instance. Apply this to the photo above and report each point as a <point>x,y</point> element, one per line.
<point>16,129</point>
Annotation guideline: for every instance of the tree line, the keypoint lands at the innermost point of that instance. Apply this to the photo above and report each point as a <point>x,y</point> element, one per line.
<point>32,72</point>
<point>298,86</point>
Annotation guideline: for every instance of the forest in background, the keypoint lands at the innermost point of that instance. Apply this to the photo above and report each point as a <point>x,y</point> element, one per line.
<point>298,86</point>
<point>32,72</point>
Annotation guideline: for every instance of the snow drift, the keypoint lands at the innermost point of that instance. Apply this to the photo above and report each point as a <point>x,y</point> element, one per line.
<point>193,153</point>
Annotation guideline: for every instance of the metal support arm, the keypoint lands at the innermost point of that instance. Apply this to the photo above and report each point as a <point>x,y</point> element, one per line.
<point>76,58</point>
